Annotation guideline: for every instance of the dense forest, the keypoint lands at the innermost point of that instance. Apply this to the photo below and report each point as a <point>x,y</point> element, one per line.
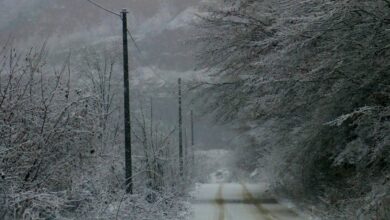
<point>308,83</point>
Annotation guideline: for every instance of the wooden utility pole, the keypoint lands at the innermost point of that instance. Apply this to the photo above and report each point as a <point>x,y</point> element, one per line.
<point>186,150</point>
<point>151,122</point>
<point>192,128</point>
<point>128,161</point>
<point>181,161</point>
<point>192,141</point>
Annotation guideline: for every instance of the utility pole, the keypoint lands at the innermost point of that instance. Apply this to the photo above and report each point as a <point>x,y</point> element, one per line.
<point>192,128</point>
<point>192,142</point>
<point>128,161</point>
<point>181,161</point>
<point>186,155</point>
<point>151,121</point>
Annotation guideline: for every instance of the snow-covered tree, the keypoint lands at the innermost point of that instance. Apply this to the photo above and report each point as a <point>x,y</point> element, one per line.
<point>315,75</point>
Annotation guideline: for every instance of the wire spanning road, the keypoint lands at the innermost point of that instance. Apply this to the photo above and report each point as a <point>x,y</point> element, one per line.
<point>238,202</point>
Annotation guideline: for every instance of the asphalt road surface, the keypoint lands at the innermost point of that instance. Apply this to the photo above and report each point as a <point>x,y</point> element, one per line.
<point>236,201</point>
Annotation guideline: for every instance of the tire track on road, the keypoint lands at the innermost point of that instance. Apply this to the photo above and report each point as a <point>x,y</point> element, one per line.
<point>248,197</point>
<point>220,203</point>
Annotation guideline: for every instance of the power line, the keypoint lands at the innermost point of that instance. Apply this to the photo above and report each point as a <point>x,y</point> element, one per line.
<point>142,57</point>
<point>134,42</point>
<point>103,8</point>
<point>114,13</point>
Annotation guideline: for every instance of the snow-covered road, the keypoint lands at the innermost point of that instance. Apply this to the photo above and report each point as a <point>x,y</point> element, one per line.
<point>236,201</point>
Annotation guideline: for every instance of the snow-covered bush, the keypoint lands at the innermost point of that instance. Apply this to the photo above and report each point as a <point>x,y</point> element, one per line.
<point>61,143</point>
<point>43,133</point>
<point>156,151</point>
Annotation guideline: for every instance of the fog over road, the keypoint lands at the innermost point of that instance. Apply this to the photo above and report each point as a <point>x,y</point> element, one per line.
<point>234,201</point>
